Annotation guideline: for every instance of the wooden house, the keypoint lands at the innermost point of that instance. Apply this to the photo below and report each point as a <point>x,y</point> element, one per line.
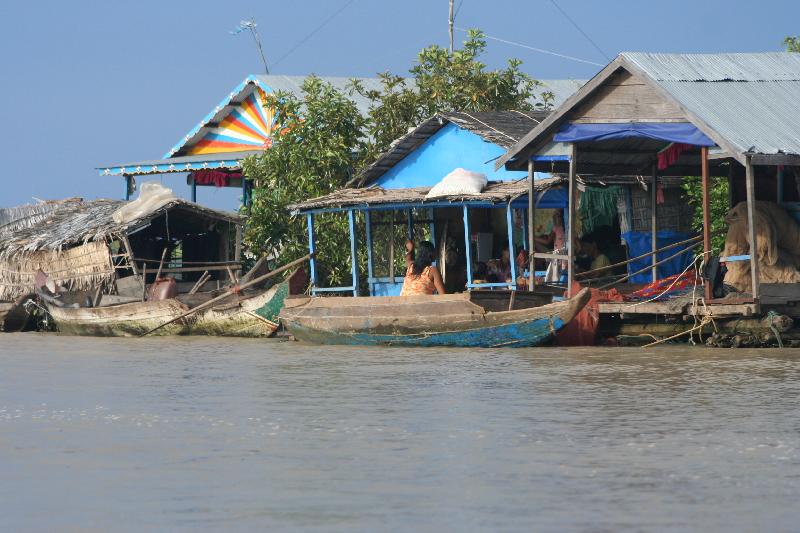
<point>668,116</point>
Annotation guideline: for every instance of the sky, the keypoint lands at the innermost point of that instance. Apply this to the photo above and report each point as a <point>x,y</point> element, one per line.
<point>85,84</point>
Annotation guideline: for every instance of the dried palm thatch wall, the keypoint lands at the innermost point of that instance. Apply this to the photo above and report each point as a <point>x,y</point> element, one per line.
<point>79,268</point>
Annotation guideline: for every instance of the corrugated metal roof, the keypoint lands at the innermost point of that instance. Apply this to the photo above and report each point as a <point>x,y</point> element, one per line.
<point>562,89</point>
<point>766,66</point>
<point>752,100</point>
<point>294,84</point>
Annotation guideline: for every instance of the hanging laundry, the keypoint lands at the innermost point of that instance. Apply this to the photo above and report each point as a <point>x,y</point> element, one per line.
<point>214,177</point>
<point>669,155</point>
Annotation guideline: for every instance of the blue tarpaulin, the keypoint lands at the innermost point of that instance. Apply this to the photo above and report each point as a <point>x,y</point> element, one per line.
<point>553,199</point>
<point>677,132</point>
<point>639,242</point>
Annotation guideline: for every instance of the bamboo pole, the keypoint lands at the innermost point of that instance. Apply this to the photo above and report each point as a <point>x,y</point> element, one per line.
<point>144,282</point>
<point>673,256</point>
<point>232,291</point>
<point>638,257</point>
<point>706,216</point>
<point>161,264</point>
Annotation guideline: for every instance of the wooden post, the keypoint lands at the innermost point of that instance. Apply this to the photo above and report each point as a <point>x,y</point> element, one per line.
<point>751,227</point>
<point>511,254</point>
<point>237,252</point>
<point>531,226</point>
<point>451,20</point>
<point>706,217</point>
<point>353,259</point>
<point>144,281</point>
<point>312,266</point>
<point>571,220</point>
<point>128,184</point>
<point>194,190</point>
<point>654,219</point>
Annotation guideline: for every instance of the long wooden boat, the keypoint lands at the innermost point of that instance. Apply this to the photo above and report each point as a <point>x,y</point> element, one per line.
<point>122,320</point>
<point>446,320</point>
<point>254,315</point>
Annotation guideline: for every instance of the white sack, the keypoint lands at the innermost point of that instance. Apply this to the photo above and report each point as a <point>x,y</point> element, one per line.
<point>152,196</point>
<point>459,182</point>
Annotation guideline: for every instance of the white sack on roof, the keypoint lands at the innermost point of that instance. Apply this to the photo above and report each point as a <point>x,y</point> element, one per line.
<point>459,182</point>
<point>152,196</point>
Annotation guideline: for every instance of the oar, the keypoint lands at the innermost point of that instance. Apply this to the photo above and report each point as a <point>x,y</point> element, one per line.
<point>231,291</point>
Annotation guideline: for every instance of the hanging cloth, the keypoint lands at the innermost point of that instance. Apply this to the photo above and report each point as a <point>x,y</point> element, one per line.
<point>669,155</point>
<point>598,207</point>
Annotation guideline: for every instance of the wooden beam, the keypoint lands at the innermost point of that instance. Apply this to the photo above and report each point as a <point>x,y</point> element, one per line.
<point>706,216</point>
<point>571,216</point>
<point>654,219</point>
<point>751,226</point>
<point>531,227</point>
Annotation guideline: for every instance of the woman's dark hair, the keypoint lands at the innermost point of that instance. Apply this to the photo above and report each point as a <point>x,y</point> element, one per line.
<point>423,257</point>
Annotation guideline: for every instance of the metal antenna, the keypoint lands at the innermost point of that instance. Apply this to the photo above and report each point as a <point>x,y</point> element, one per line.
<point>251,26</point>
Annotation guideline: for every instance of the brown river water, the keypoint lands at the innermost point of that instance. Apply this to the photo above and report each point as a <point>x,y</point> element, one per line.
<point>240,435</point>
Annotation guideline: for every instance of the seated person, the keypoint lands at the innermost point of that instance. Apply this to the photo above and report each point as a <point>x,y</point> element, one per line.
<point>555,240</point>
<point>421,276</point>
<point>500,269</point>
<point>600,261</point>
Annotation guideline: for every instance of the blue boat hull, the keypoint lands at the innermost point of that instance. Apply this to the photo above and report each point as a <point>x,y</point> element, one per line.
<point>515,335</point>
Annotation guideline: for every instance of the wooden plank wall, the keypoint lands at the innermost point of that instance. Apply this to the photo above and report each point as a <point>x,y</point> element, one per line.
<point>625,98</point>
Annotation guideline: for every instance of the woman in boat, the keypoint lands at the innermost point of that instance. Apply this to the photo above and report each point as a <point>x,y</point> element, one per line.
<point>422,277</point>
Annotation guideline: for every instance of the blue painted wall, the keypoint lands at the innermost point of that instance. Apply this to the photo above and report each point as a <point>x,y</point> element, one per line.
<point>449,148</point>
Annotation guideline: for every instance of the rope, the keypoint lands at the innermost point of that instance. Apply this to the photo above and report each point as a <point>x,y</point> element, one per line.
<point>772,314</point>
<point>491,128</point>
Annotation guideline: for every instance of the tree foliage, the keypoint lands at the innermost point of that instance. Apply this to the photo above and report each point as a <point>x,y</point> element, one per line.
<point>718,203</point>
<point>443,82</point>
<point>792,44</point>
<point>311,156</point>
<point>324,139</point>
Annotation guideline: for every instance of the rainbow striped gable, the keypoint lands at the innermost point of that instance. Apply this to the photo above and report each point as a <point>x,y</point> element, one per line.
<point>247,126</point>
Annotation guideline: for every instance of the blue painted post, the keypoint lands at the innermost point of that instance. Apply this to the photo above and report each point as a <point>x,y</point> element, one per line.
<point>467,247</point>
<point>311,249</point>
<point>370,269</point>
<point>194,190</point>
<point>353,259</point>
<point>244,191</point>
<point>128,183</point>
<point>511,255</point>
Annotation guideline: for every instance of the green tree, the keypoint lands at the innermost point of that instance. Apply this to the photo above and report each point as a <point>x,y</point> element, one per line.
<point>444,82</point>
<point>792,44</point>
<point>718,203</point>
<point>312,155</point>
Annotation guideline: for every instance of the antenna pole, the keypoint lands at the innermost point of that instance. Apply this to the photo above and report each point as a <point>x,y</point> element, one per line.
<point>450,25</point>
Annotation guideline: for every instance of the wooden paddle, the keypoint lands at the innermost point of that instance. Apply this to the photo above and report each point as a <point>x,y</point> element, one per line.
<point>231,291</point>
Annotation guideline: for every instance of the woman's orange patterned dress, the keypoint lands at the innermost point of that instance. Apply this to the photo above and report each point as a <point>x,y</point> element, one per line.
<point>422,284</point>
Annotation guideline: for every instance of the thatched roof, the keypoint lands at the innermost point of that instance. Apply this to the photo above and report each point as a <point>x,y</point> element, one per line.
<point>503,128</point>
<point>60,224</point>
<point>495,192</point>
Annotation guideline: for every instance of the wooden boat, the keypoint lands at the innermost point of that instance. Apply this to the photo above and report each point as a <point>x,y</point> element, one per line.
<point>122,320</point>
<point>254,316</point>
<point>446,320</point>
<point>247,315</point>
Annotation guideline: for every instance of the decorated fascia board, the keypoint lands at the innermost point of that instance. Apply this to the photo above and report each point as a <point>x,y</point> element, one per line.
<point>248,130</point>
<point>167,167</point>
